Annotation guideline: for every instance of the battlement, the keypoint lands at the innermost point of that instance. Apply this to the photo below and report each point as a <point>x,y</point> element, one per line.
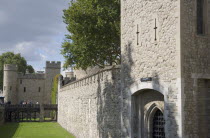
<point>53,64</point>
<point>10,67</point>
<point>102,74</point>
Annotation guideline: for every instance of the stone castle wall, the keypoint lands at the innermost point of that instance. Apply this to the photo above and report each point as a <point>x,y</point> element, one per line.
<point>195,71</point>
<point>90,107</point>
<point>33,88</point>
<point>31,76</point>
<point>143,57</point>
<point>34,85</point>
<point>52,69</point>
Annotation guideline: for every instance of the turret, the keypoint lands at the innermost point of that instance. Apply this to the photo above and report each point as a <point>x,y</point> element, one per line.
<point>52,69</point>
<point>53,65</point>
<point>10,83</point>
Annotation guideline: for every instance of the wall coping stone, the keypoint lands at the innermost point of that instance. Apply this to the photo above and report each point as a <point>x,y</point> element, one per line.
<point>108,68</point>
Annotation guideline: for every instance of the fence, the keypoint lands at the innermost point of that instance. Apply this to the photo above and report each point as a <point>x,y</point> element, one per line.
<point>30,113</point>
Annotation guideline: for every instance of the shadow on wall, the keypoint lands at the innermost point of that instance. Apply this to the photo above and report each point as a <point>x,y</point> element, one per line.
<point>112,99</point>
<point>171,111</point>
<point>108,110</point>
<point>170,108</point>
<point>126,81</point>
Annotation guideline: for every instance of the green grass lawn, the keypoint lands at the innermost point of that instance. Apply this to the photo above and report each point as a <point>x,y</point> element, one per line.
<point>33,130</point>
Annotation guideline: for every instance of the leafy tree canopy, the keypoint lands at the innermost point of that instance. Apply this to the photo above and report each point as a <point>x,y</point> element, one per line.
<point>94,33</point>
<point>30,69</point>
<point>11,58</point>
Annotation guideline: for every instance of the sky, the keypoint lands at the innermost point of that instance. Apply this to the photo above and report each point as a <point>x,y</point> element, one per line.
<point>33,28</point>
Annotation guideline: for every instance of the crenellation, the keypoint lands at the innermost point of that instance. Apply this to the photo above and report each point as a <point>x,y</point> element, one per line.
<point>98,75</point>
<point>161,89</point>
<point>53,64</point>
<point>25,86</point>
<point>92,104</point>
<point>153,88</point>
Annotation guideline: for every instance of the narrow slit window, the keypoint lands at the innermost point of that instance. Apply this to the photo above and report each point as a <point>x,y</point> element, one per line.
<point>24,89</point>
<point>10,88</point>
<point>21,81</point>
<point>39,89</point>
<point>201,16</point>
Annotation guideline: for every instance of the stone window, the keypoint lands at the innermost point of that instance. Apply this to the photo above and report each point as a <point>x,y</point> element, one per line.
<point>24,89</point>
<point>201,16</point>
<point>39,89</point>
<point>21,81</point>
<point>10,88</point>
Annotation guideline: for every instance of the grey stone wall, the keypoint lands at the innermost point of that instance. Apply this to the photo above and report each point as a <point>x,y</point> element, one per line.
<point>90,107</point>
<point>10,83</point>
<point>52,69</point>
<point>15,83</point>
<point>32,92</point>
<point>143,57</point>
<point>31,76</point>
<point>195,70</point>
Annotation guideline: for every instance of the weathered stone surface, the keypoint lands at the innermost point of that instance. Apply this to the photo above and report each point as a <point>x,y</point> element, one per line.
<point>90,107</point>
<point>195,60</point>
<point>178,60</point>
<point>143,57</point>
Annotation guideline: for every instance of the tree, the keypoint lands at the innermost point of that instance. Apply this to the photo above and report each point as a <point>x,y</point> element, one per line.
<point>94,33</point>
<point>54,89</point>
<point>11,58</point>
<point>30,69</point>
<point>54,93</point>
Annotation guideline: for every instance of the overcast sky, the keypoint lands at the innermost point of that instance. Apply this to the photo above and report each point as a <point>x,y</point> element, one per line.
<point>33,28</point>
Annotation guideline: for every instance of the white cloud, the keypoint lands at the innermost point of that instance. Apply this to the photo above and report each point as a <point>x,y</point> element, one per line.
<point>33,28</point>
<point>29,51</point>
<point>3,17</point>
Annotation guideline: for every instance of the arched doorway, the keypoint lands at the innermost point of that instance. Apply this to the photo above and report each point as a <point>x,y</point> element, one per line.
<point>158,123</point>
<point>148,114</point>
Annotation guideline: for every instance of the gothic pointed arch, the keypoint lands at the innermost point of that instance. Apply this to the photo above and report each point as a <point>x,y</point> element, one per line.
<point>154,120</point>
<point>147,99</point>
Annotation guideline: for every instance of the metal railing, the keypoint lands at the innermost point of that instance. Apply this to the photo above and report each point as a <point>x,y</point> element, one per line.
<point>29,112</point>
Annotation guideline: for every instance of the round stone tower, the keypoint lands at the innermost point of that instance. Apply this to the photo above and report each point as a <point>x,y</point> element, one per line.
<point>10,83</point>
